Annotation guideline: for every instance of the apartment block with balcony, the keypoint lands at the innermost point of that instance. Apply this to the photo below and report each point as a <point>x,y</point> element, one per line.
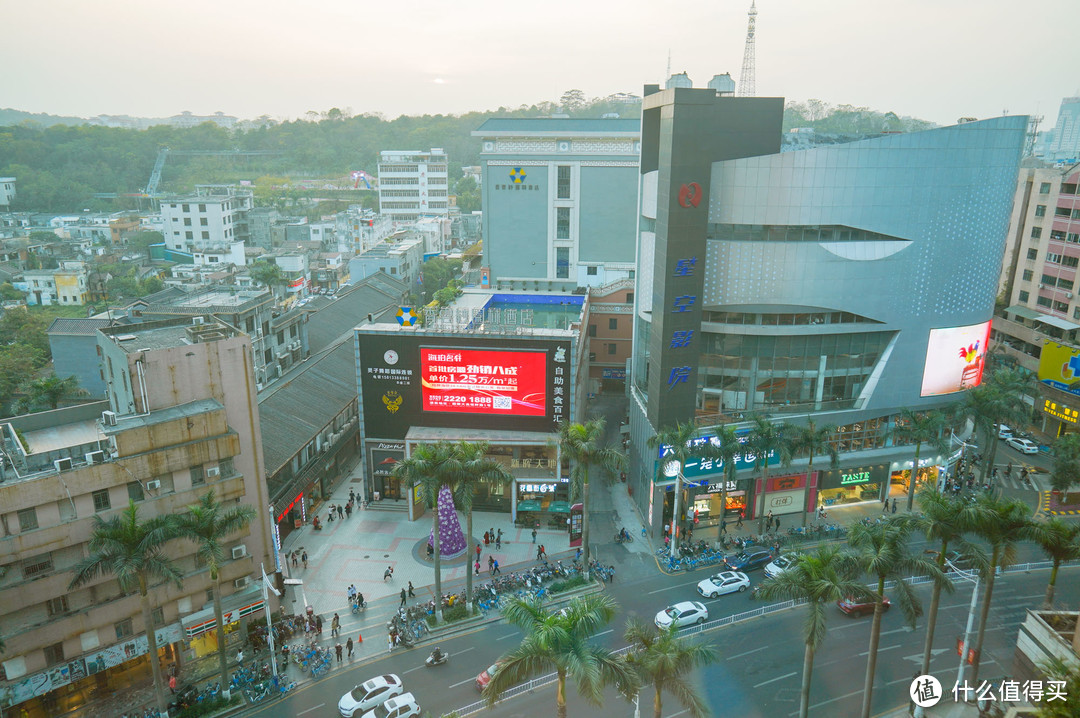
<point>167,435</point>
<point>413,184</point>
<point>211,224</point>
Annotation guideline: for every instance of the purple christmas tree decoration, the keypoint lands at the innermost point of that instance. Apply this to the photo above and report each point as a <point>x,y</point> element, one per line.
<point>451,537</point>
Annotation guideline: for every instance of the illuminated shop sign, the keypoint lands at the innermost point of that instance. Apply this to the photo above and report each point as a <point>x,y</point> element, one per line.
<point>855,476</point>
<point>1060,411</point>
<point>536,488</point>
<point>701,467</point>
<point>485,381</point>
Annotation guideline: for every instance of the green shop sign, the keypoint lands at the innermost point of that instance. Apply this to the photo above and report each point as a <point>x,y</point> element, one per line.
<point>854,477</point>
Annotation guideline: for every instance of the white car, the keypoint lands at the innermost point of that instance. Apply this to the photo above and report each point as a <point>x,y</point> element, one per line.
<point>723,582</point>
<point>404,706</point>
<point>1024,446</point>
<point>682,614</point>
<point>1004,432</point>
<point>781,564</point>
<point>369,694</point>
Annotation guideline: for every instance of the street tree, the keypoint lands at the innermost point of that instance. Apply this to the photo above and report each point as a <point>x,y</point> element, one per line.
<point>583,445</point>
<point>209,523</point>
<point>820,578</point>
<point>559,642</point>
<point>678,444</point>
<point>765,441</point>
<point>267,274</point>
<point>728,449</point>
<point>1066,468</point>
<point>47,392</point>
<point>921,427</point>
<point>665,660</point>
<point>476,468</point>
<point>133,551</point>
<point>1060,541</point>
<point>881,551</point>
<point>995,402</point>
<point>811,440</point>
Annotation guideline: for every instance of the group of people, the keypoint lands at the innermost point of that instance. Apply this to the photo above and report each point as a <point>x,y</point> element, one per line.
<point>491,537</point>
<point>298,556</point>
<point>356,599</point>
<point>885,505</point>
<point>339,511</point>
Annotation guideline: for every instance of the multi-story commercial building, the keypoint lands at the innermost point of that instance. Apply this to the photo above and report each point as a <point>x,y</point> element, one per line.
<point>413,184</point>
<point>609,313</point>
<point>839,284</point>
<point>169,433</point>
<point>211,225</point>
<point>1062,143</point>
<point>559,198</point>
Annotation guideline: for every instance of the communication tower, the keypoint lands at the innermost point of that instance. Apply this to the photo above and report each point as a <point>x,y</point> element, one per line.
<point>746,79</point>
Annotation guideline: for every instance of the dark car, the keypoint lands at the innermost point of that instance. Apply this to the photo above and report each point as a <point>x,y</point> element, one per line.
<point>749,559</point>
<point>859,607</point>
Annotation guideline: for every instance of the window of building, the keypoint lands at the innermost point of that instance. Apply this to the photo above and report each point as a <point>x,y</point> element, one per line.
<point>591,270</point>
<point>613,323</point>
<point>1068,188</point>
<point>1028,274</point>
<point>135,491</point>
<point>1062,212</point>
<point>57,606</point>
<point>1068,261</point>
<point>1076,312</point>
<point>562,223</point>
<point>157,616</point>
<point>1061,306</point>
<point>204,222</point>
<point>28,519</point>
<point>1033,254</point>
<point>592,330</point>
<point>101,500</point>
<point>198,475</point>
<point>37,566</point>
<point>1040,210</point>
<point>611,348</point>
<point>187,207</point>
<point>123,629</point>
<point>54,654</point>
<point>1048,280</point>
<point>1066,284</point>
<point>1023,296</point>
<point>187,221</point>
<point>629,297</point>
<point>202,207</point>
<point>189,235</point>
<point>1044,188</point>
<point>1036,232</point>
<point>563,182</point>
<point>1043,301</point>
<point>562,262</point>
<point>206,235</point>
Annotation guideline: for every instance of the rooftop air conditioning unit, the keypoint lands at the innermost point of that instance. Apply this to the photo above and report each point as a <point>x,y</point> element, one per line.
<point>240,582</point>
<point>62,464</point>
<point>1042,286</point>
<point>1068,295</point>
<point>108,418</point>
<point>153,485</point>
<point>95,457</point>
<point>213,471</point>
<point>239,551</point>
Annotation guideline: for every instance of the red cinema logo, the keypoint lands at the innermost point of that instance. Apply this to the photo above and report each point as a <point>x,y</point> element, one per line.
<point>690,195</point>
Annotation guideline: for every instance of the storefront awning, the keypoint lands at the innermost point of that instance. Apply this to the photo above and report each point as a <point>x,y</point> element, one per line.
<point>1058,322</point>
<point>559,507</point>
<point>528,505</point>
<point>1021,311</point>
<point>233,608</point>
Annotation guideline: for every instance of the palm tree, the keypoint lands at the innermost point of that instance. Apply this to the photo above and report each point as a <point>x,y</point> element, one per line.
<point>560,642</point>
<point>48,391</point>
<point>728,448</point>
<point>581,443</point>
<point>881,551</point>
<point>1060,541</point>
<point>430,467</point>
<point>133,552</point>
<point>993,403</point>
<point>811,440</point>
<point>944,519</point>
<point>765,440</point>
<point>664,659</point>
<point>476,468</point>
<point>208,523</point>
<point>1002,523</point>
<point>1066,470</point>
<point>820,578</point>
<point>680,443</point>
<point>921,428</point>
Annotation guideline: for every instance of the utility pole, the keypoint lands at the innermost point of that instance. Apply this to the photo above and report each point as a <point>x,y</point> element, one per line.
<point>746,78</point>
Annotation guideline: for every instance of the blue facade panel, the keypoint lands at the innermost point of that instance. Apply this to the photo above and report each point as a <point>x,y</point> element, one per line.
<point>77,356</point>
<point>607,212</point>
<point>517,214</point>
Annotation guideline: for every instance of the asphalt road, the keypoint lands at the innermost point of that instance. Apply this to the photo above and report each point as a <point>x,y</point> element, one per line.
<point>760,660</point>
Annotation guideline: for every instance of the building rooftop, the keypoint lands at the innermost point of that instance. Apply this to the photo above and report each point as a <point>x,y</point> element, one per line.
<point>134,338</point>
<point>76,327</point>
<point>63,436</point>
<point>161,416</point>
<point>560,127</point>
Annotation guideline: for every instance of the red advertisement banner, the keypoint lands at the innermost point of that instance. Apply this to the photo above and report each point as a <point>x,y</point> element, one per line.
<point>480,381</point>
<point>786,483</point>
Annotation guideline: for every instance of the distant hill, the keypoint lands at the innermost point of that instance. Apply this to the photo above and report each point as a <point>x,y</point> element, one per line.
<point>9,116</point>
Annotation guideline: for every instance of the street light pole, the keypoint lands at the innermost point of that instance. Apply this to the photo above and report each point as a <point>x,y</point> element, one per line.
<point>266,587</point>
<point>674,468</point>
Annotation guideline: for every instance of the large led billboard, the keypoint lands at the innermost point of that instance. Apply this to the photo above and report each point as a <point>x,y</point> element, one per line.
<point>407,379</point>
<point>955,358</point>
<point>1059,366</point>
<point>470,381</point>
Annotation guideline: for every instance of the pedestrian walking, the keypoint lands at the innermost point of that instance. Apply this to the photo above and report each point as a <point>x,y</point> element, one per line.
<point>577,556</point>
<point>611,574</point>
<point>390,642</point>
<point>411,594</point>
<point>491,532</point>
<point>172,684</point>
<point>742,514</point>
<point>498,542</point>
<point>318,625</point>
<point>352,496</point>
<point>330,517</point>
<point>498,537</point>
<point>337,650</point>
<point>294,558</point>
<point>340,512</point>
<point>349,647</point>
<point>539,552</point>
<point>723,526</point>
<point>477,552</point>
<point>885,505</point>
<point>335,626</point>
<point>491,563</point>
<point>403,597</point>
<point>894,505</point>
<point>477,571</point>
<point>776,523</point>
<point>534,535</point>
<point>495,568</point>
<point>304,558</point>
<point>348,510</point>
<point>487,538</point>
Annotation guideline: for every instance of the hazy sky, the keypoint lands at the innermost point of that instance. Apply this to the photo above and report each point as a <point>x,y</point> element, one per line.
<point>935,60</point>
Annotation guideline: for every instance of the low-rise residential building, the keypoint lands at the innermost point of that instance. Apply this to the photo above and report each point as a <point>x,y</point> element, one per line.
<point>609,312</point>
<point>211,224</point>
<point>401,259</point>
<point>7,192</point>
<point>73,343</point>
<point>358,229</point>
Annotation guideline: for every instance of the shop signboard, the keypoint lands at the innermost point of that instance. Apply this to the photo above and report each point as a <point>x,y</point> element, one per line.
<point>1060,411</point>
<point>785,502</point>
<point>576,525</point>
<point>703,467</point>
<point>1059,367</point>
<point>785,483</point>
<point>410,379</point>
<point>855,476</point>
<point>955,357</point>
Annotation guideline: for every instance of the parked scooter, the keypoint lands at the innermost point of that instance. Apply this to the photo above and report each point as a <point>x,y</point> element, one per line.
<point>437,658</point>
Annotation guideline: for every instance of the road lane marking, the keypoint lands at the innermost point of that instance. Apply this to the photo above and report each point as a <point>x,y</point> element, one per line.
<point>675,715</point>
<point>461,683</point>
<point>774,680</point>
<point>464,650</point>
<point>311,709</point>
<point>902,629</point>
<point>740,655</point>
<point>672,588</point>
<point>508,635</point>
<point>413,669</point>
<point>880,650</point>
<point>832,700</point>
<point>610,630</point>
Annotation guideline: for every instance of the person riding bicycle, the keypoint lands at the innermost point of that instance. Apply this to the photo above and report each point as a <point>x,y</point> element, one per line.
<point>622,534</point>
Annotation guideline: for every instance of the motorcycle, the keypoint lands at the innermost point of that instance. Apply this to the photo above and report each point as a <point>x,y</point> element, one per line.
<point>433,661</point>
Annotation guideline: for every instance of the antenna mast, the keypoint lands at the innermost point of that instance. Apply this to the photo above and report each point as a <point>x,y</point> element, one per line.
<point>668,75</point>
<point>746,79</point>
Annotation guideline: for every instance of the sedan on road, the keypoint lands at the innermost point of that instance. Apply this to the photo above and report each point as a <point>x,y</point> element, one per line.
<point>404,706</point>
<point>859,607</point>
<point>1024,446</point>
<point>723,582</point>
<point>369,694</point>
<point>682,614</point>
<point>781,564</point>
<point>486,675</point>
<point>749,559</point>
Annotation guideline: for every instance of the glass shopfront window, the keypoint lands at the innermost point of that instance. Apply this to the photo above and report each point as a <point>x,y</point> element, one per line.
<point>853,485</point>
<point>900,480</point>
<point>705,500</point>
